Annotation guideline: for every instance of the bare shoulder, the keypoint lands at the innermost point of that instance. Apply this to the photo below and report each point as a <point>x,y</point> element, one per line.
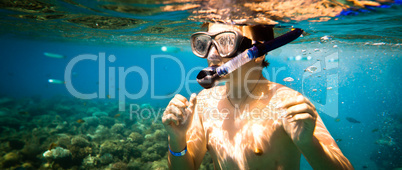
<point>209,96</point>
<point>215,92</point>
<point>203,94</point>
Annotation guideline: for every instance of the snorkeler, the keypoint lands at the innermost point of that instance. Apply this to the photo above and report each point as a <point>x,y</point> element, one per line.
<point>249,122</point>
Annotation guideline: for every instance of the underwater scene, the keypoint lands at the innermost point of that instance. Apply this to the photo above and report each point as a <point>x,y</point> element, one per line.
<point>84,84</point>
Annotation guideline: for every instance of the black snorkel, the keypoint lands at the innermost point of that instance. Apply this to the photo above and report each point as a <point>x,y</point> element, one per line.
<point>209,76</point>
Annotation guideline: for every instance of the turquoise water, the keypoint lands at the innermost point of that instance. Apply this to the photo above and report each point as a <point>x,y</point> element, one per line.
<point>116,78</point>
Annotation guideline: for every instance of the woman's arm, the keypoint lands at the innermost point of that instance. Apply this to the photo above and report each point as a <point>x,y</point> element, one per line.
<point>183,124</point>
<point>305,127</point>
<point>196,147</point>
<point>323,152</point>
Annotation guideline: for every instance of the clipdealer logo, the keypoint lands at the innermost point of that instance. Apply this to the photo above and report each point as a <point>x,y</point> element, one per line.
<point>147,81</point>
<point>328,68</point>
<point>329,106</point>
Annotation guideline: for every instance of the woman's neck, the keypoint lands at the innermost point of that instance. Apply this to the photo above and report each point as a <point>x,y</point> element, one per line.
<point>240,86</point>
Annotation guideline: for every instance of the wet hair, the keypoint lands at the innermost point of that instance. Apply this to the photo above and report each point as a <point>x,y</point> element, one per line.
<point>265,63</point>
<point>262,33</point>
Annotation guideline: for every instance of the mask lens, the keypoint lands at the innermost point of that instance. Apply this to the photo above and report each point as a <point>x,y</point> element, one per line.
<point>200,44</point>
<point>226,43</point>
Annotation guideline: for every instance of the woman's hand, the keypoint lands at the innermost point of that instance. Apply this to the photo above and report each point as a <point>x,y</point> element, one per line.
<point>178,116</point>
<point>300,119</point>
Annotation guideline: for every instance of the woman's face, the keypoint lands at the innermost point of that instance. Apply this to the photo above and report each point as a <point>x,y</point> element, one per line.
<point>213,58</point>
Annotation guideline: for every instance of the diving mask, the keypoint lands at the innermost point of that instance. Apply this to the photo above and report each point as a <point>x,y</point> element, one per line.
<point>209,76</point>
<point>227,43</point>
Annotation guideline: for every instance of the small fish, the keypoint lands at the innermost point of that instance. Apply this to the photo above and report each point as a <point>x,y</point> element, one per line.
<point>117,115</point>
<point>108,96</point>
<point>337,120</point>
<point>375,130</point>
<point>52,55</point>
<point>288,79</point>
<point>85,104</point>
<point>365,166</point>
<point>80,121</point>
<point>55,81</point>
<point>258,151</point>
<point>338,140</point>
<point>52,146</point>
<point>352,120</point>
<point>310,69</point>
<point>329,88</point>
<point>314,90</point>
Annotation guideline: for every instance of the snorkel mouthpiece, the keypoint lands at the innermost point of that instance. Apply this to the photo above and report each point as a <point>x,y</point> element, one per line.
<point>209,76</point>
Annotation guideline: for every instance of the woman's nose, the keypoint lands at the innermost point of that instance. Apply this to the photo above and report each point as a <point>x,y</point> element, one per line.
<point>213,54</point>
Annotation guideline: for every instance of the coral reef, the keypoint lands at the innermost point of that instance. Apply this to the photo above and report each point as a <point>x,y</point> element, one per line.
<point>91,162</point>
<point>10,159</point>
<point>99,114</point>
<point>59,157</point>
<point>136,138</point>
<point>389,152</point>
<point>57,153</point>
<point>68,133</point>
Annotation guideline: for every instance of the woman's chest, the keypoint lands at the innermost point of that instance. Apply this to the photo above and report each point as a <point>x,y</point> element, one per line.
<point>249,144</point>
